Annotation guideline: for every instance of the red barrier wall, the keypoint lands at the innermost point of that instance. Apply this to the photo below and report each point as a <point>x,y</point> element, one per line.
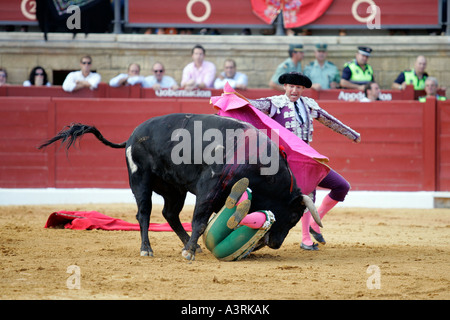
<point>105,91</point>
<point>443,145</point>
<point>403,148</point>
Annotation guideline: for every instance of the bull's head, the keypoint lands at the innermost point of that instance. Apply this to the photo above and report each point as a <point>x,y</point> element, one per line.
<point>288,218</point>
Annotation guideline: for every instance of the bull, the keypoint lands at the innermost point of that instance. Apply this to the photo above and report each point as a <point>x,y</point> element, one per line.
<point>161,157</point>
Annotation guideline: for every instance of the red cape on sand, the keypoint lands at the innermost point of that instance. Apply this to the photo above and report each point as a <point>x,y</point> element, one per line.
<point>88,220</point>
<point>308,166</point>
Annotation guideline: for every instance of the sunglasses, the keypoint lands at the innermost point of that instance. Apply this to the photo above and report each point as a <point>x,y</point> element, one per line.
<point>86,62</point>
<point>156,71</point>
<point>38,74</point>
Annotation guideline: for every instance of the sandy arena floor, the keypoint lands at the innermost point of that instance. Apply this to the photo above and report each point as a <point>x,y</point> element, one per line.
<point>406,252</point>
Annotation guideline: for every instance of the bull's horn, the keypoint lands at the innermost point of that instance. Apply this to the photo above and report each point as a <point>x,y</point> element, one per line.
<point>312,208</point>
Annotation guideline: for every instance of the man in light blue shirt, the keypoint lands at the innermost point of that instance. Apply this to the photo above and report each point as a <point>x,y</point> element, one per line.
<point>159,80</point>
<point>237,80</point>
<point>293,63</point>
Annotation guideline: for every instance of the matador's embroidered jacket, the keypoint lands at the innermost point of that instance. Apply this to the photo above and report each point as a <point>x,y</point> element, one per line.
<point>282,110</point>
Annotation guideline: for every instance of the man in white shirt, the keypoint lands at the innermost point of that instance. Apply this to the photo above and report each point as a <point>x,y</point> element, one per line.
<point>84,78</point>
<point>128,79</point>
<point>372,92</point>
<point>237,80</point>
<point>159,80</point>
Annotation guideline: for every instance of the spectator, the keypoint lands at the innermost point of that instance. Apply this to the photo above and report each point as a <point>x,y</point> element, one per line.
<point>323,73</point>
<point>159,80</point>
<point>237,80</point>
<point>293,63</point>
<point>38,77</point>
<point>199,73</point>
<point>132,77</point>
<point>371,92</point>
<point>415,76</point>
<point>357,72</point>
<point>431,87</point>
<point>83,78</point>
<point>3,77</point>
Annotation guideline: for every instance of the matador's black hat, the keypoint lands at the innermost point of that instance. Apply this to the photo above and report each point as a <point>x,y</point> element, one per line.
<point>296,78</point>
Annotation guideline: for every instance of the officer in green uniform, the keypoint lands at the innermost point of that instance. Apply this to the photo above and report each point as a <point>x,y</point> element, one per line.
<point>415,76</point>
<point>293,63</point>
<point>431,87</point>
<point>323,73</point>
<point>358,72</point>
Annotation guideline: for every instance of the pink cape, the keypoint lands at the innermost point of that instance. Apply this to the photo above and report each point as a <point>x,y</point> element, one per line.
<point>308,166</point>
<point>88,220</point>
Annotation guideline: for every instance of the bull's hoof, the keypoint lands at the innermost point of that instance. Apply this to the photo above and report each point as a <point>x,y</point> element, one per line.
<point>237,191</point>
<point>199,249</point>
<point>146,253</point>
<point>188,255</point>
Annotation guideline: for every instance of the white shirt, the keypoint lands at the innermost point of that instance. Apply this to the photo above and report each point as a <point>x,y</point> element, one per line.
<point>166,82</point>
<point>71,80</point>
<point>27,83</point>
<point>239,78</point>
<point>114,82</point>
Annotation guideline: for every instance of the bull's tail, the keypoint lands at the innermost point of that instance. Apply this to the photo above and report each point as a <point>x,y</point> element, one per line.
<point>76,130</point>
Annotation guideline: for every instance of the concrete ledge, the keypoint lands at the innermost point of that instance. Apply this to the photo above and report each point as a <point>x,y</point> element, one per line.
<point>363,199</point>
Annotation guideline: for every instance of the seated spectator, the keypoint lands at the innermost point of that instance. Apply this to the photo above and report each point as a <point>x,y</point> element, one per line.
<point>130,78</point>
<point>357,72</point>
<point>415,76</point>
<point>372,92</point>
<point>83,78</point>
<point>237,80</point>
<point>38,77</point>
<point>3,77</point>
<point>323,73</point>
<point>159,80</point>
<point>431,87</point>
<point>199,74</point>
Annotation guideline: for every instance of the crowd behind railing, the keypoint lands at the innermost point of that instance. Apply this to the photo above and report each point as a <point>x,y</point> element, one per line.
<point>201,74</point>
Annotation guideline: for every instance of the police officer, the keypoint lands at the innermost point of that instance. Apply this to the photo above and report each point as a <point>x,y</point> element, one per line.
<point>323,73</point>
<point>357,72</point>
<point>415,76</point>
<point>293,63</point>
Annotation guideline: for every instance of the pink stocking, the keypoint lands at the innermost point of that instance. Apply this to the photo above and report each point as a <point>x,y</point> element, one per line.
<point>254,220</point>
<point>326,205</point>
<point>306,238</point>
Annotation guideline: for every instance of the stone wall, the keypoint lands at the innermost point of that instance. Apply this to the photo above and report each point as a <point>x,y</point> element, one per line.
<point>257,56</point>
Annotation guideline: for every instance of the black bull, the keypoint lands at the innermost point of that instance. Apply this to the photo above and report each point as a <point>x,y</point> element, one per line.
<point>166,155</point>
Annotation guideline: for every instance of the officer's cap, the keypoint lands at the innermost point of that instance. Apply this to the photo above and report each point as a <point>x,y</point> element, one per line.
<point>321,47</point>
<point>296,47</point>
<point>365,51</point>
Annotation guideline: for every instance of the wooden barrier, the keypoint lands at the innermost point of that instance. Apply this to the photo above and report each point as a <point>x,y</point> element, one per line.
<point>136,92</point>
<point>405,144</point>
<point>443,145</point>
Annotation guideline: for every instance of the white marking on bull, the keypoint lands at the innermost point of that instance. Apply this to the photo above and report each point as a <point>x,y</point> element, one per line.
<point>133,166</point>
